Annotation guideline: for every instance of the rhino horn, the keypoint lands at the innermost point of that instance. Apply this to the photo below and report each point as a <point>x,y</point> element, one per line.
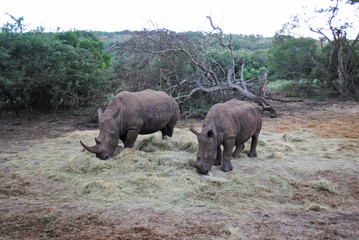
<point>192,163</point>
<point>93,149</point>
<point>97,140</point>
<point>194,130</point>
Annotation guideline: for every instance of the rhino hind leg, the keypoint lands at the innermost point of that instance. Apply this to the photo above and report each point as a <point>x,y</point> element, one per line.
<point>167,130</point>
<point>164,132</point>
<point>239,148</point>
<point>170,131</point>
<point>253,150</point>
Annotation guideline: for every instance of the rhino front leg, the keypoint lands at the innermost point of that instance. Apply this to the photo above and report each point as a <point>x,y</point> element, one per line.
<point>228,145</point>
<point>219,156</point>
<point>131,137</point>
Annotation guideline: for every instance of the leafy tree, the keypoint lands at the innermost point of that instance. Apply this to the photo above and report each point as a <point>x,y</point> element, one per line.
<point>292,58</point>
<point>47,71</point>
<point>342,47</point>
<point>338,64</point>
<point>86,40</point>
<point>68,38</point>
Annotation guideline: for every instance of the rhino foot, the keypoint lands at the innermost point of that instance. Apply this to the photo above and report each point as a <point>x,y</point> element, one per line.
<point>236,155</point>
<point>227,167</point>
<point>252,154</point>
<point>217,162</point>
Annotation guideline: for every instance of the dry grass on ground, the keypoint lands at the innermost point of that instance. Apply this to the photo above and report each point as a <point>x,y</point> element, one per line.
<point>302,185</point>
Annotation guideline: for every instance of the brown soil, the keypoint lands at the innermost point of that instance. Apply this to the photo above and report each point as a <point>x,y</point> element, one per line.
<point>25,215</point>
<point>329,119</point>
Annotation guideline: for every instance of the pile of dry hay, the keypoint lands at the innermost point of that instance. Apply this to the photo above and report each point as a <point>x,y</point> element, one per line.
<point>157,173</point>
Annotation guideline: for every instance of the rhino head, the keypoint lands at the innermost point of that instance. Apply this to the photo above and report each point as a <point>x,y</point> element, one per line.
<point>207,151</point>
<point>107,141</point>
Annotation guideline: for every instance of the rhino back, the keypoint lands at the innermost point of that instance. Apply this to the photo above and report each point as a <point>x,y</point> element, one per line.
<point>234,118</point>
<point>147,110</point>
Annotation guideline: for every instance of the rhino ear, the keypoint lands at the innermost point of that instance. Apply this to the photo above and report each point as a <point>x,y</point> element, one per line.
<point>99,113</point>
<point>210,133</point>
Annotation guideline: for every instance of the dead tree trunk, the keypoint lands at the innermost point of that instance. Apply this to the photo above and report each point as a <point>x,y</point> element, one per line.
<point>341,70</point>
<point>262,90</point>
<point>245,93</point>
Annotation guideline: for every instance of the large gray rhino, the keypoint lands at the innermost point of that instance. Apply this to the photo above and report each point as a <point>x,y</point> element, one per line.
<point>229,124</point>
<point>131,113</point>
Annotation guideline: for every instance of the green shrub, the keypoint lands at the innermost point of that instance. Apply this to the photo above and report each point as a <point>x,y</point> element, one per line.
<point>294,88</point>
<point>47,71</point>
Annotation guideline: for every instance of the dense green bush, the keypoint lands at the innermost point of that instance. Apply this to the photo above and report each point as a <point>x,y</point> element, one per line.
<point>292,58</point>
<point>306,88</point>
<point>47,71</point>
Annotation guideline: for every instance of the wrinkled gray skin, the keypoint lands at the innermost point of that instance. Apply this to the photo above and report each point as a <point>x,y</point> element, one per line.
<point>229,124</point>
<point>130,114</point>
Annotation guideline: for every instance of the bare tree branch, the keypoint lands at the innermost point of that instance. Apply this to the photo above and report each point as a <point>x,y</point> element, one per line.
<point>209,75</point>
<point>197,64</point>
<point>204,89</point>
<point>242,76</point>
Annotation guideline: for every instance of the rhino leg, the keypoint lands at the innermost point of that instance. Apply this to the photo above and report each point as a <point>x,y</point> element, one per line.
<point>219,156</point>
<point>131,137</point>
<point>167,130</point>
<point>227,153</point>
<point>164,132</point>
<point>237,152</point>
<point>253,151</point>
<point>170,128</point>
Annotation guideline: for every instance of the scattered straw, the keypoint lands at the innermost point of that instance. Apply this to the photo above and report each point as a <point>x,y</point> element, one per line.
<point>157,172</point>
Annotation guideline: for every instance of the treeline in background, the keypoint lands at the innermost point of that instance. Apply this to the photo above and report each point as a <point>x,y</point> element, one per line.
<point>51,71</point>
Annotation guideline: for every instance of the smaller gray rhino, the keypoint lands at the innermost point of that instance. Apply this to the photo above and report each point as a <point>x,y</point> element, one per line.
<point>229,124</point>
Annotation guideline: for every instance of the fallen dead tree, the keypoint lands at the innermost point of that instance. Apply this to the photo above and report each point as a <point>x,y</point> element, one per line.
<point>165,52</point>
<point>226,79</point>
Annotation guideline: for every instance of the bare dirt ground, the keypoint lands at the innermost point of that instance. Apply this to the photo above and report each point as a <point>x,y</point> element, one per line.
<point>303,185</point>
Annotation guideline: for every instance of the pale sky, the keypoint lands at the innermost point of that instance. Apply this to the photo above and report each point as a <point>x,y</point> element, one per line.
<point>263,17</point>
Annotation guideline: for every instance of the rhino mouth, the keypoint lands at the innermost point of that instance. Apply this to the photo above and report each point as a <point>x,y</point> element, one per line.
<point>199,169</point>
<point>103,158</point>
<point>202,171</point>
